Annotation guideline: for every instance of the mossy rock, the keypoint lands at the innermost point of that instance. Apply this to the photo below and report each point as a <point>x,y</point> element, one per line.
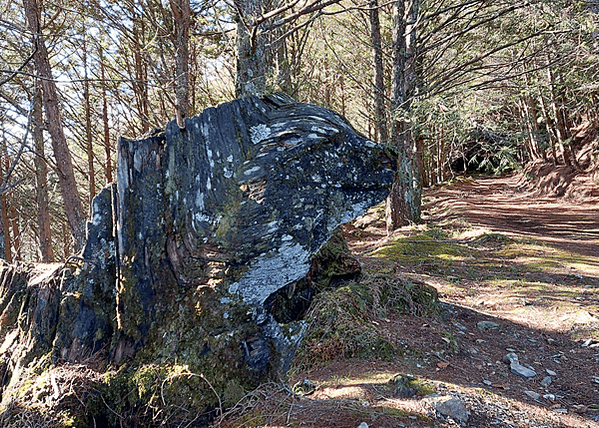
<point>406,386</point>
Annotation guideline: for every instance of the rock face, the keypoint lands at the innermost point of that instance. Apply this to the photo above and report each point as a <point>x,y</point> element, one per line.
<point>213,226</point>
<point>231,210</point>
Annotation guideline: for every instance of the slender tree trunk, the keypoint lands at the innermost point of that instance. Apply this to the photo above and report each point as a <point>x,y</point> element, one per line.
<point>2,236</point>
<point>441,159</point>
<point>380,111</point>
<point>404,201</point>
<point>549,127</point>
<point>559,119</point>
<point>88,131</point>
<point>530,141</point>
<point>41,174</point>
<point>107,146</point>
<point>10,214</point>
<point>255,60</point>
<point>343,95</point>
<point>534,122</point>
<point>182,19</point>
<point>64,166</point>
<point>16,233</point>
<point>6,241</point>
<point>140,84</point>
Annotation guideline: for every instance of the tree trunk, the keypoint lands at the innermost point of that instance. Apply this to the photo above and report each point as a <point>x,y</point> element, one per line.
<point>88,131</point>
<point>530,141</point>
<point>404,201</point>
<point>5,245</point>
<point>2,244</point>
<point>140,85</point>
<point>534,122</point>
<point>255,60</point>
<point>64,166</point>
<point>549,127</point>
<point>16,233</point>
<point>41,174</point>
<point>181,17</point>
<point>107,146</point>
<point>559,119</point>
<point>380,115</point>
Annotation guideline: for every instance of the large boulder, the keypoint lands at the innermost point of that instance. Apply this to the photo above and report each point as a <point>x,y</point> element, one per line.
<point>189,254</point>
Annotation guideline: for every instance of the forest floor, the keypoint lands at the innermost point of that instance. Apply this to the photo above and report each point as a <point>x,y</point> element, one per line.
<point>495,251</point>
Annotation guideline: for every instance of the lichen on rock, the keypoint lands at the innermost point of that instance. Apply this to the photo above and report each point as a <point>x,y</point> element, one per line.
<point>196,256</point>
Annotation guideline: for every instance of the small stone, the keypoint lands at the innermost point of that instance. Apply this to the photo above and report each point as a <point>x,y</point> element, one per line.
<point>563,411</point>
<point>546,381</point>
<point>460,326</point>
<point>520,370</point>
<point>533,395</point>
<point>549,397</point>
<point>449,406</point>
<point>404,386</point>
<point>487,325</point>
<point>363,425</point>
<point>551,372</point>
<point>510,358</point>
<point>487,382</point>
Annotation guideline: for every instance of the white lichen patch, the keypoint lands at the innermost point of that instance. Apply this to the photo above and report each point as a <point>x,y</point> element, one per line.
<point>268,274</point>
<point>209,155</point>
<point>252,170</point>
<point>259,133</point>
<point>200,200</point>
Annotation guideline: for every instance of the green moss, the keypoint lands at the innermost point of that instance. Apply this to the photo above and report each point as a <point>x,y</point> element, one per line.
<point>422,246</point>
<point>341,320</point>
<point>404,386</point>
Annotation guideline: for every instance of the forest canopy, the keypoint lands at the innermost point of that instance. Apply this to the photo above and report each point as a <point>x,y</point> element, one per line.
<point>460,86</point>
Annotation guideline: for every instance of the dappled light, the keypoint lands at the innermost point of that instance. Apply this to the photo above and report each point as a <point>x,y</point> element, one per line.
<point>503,288</point>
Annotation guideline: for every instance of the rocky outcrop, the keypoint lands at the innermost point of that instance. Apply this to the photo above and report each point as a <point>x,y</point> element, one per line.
<point>196,256</point>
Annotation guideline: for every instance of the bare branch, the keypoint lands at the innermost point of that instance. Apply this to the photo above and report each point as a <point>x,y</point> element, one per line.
<point>4,186</point>
<point>13,74</point>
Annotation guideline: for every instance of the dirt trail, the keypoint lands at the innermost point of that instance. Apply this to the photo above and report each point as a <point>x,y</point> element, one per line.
<point>495,253</point>
<point>501,205</point>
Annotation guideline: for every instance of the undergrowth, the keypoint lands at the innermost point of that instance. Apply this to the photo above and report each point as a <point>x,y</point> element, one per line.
<point>343,322</point>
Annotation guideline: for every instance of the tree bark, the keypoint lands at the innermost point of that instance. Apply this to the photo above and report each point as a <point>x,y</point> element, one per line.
<point>88,131</point>
<point>255,60</point>
<point>2,233</point>
<point>107,146</point>
<point>5,245</point>
<point>64,166</point>
<point>559,118</point>
<point>140,84</point>
<point>182,20</point>
<point>549,127</point>
<point>404,201</point>
<point>41,175</point>
<point>16,233</point>
<point>380,115</point>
